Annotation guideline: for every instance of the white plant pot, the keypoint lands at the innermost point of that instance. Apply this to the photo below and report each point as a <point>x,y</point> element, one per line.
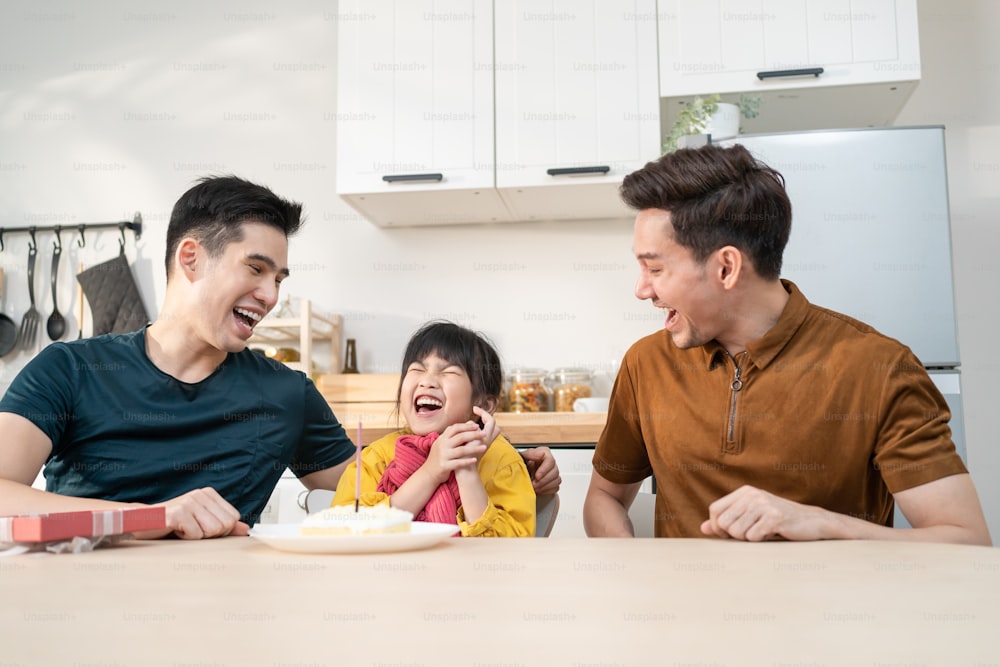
<point>725,122</point>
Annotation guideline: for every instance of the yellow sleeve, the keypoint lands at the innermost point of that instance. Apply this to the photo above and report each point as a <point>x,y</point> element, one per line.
<point>511,508</point>
<point>374,459</point>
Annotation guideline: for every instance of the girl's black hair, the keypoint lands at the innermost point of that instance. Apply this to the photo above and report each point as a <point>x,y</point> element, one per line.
<point>463,347</point>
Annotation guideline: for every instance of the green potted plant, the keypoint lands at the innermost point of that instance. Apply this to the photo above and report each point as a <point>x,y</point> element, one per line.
<point>703,115</point>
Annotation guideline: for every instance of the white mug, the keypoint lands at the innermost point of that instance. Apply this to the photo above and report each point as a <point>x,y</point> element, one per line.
<point>595,404</point>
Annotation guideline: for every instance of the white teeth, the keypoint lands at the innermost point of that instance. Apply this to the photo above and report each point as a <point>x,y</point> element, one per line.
<point>253,316</point>
<point>427,400</point>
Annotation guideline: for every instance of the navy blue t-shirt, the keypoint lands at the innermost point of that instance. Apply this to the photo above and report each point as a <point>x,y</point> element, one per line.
<point>123,430</point>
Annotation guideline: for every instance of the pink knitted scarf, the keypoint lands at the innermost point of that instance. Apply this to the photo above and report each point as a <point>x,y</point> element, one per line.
<point>411,452</point>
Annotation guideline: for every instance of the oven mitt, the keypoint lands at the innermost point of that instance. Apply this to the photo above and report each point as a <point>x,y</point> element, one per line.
<point>113,297</point>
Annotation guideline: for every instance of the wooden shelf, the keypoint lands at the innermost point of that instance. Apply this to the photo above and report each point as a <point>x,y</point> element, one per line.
<point>302,330</point>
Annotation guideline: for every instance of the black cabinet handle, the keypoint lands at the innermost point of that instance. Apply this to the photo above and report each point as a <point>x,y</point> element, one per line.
<point>780,73</point>
<point>570,171</point>
<point>393,178</point>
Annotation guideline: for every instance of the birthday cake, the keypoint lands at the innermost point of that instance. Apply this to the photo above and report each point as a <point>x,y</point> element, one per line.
<point>344,520</point>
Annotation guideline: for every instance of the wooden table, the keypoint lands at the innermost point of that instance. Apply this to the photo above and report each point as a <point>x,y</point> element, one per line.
<point>506,602</point>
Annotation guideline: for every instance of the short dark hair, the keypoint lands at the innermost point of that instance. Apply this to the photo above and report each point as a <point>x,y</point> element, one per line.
<point>463,347</point>
<point>214,211</point>
<point>718,196</point>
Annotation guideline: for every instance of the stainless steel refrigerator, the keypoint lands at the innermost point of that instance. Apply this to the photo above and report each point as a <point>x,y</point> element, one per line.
<point>871,236</point>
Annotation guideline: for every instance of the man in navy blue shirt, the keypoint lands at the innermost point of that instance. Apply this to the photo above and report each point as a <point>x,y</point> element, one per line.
<point>181,414</point>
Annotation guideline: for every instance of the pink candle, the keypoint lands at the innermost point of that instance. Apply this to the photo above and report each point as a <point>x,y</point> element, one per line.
<point>357,468</point>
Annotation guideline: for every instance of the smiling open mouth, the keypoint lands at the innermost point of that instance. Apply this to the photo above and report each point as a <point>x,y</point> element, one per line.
<point>246,317</point>
<point>426,405</point>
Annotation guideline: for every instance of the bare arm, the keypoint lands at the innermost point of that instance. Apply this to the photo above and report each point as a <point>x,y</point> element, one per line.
<point>24,452</point>
<point>327,478</point>
<point>471,489</point>
<point>605,509</point>
<point>194,515</point>
<point>945,510</point>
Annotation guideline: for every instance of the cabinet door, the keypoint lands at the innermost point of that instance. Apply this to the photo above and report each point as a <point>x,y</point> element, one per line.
<point>415,104</point>
<point>575,467</point>
<point>576,88</point>
<point>720,46</point>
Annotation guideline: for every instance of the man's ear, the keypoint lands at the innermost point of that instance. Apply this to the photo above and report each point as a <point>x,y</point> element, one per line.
<point>188,257</point>
<point>729,265</point>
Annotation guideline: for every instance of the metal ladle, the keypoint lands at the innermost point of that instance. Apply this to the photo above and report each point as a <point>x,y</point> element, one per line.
<point>56,324</point>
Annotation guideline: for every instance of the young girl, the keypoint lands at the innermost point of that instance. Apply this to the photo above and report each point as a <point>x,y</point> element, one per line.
<point>450,465</point>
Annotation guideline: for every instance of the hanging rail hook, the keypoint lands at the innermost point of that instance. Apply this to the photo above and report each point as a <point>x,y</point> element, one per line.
<point>57,244</point>
<point>121,241</point>
<point>135,225</point>
<point>31,244</point>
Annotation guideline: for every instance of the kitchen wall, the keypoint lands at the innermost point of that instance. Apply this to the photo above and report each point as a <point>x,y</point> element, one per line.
<point>111,109</point>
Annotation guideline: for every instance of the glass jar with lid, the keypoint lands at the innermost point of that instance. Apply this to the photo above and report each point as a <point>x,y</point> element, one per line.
<point>569,384</point>
<point>526,391</point>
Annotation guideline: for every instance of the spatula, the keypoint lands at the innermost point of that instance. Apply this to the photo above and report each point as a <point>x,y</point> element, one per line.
<point>56,324</point>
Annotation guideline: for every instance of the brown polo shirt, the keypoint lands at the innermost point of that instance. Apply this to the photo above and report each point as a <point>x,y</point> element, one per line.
<point>828,412</point>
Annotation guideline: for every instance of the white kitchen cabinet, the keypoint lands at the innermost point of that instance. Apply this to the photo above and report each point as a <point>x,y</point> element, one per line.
<point>868,51</point>
<point>415,111</point>
<point>575,468</point>
<point>421,141</point>
<point>574,104</point>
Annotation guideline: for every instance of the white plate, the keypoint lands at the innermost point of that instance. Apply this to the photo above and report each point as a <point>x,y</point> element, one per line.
<point>286,537</point>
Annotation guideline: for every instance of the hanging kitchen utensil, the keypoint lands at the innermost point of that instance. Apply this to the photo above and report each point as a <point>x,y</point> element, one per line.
<point>29,325</point>
<point>8,329</point>
<point>79,301</point>
<point>115,305</point>
<point>56,324</point>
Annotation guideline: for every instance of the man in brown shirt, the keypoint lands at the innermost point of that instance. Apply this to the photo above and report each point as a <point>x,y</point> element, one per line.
<point>760,415</point>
